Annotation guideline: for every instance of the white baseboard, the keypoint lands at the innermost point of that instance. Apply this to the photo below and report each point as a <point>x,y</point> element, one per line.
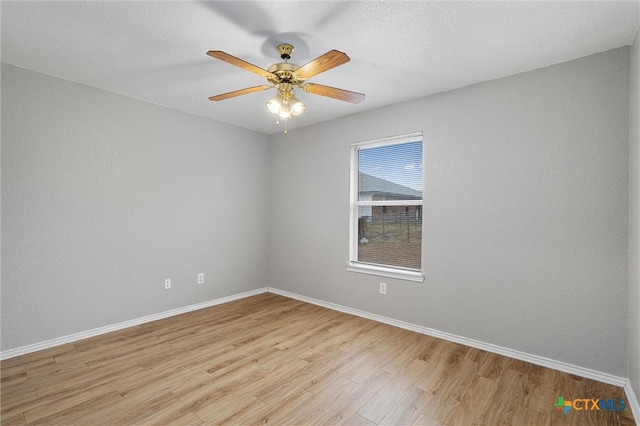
<point>632,399</point>
<point>523,356</point>
<point>23,350</point>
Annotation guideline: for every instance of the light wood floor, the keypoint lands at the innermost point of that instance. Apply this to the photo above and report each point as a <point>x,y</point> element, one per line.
<point>268,359</point>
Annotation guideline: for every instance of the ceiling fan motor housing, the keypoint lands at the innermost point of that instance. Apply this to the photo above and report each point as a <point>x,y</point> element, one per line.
<point>284,72</point>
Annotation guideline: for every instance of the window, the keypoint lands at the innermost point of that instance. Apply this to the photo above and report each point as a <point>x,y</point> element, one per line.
<point>386,207</point>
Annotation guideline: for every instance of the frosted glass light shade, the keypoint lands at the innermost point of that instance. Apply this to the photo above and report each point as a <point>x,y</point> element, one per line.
<point>285,108</point>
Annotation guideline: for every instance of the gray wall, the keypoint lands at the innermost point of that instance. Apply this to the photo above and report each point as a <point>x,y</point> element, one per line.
<point>634,218</point>
<point>104,196</point>
<point>525,215</point>
<point>525,212</point>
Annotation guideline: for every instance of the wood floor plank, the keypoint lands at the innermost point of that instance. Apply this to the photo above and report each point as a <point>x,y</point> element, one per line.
<point>362,364</point>
<point>357,420</point>
<point>23,365</point>
<point>280,378</point>
<point>226,405</point>
<point>408,409</point>
<point>13,419</point>
<point>65,410</point>
<point>425,420</point>
<point>60,395</point>
<point>325,407</point>
<point>163,378</point>
<point>283,400</point>
<point>57,376</point>
<point>448,390</point>
<point>509,400</point>
<point>15,400</point>
<point>174,416</point>
<point>386,398</point>
<point>60,386</point>
<point>474,402</point>
<point>268,359</point>
<point>322,371</point>
<point>205,399</point>
<point>34,360</point>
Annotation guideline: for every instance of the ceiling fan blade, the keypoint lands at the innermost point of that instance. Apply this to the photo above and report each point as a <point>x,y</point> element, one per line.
<point>223,56</point>
<point>332,92</point>
<point>331,59</point>
<point>240,92</point>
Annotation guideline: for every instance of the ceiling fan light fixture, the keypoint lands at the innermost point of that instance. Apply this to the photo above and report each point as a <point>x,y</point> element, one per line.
<point>285,108</point>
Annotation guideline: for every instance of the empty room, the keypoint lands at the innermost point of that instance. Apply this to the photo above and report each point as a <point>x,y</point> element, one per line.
<point>320,212</point>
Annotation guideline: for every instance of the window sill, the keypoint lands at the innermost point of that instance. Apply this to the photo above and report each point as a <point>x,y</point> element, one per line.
<point>383,271</point>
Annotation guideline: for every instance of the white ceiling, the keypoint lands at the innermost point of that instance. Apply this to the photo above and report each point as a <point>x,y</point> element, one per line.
<point>156,51</point>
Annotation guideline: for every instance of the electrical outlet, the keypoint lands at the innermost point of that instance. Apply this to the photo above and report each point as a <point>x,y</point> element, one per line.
<point>201,278</point>
<point>167,283</point>
<point>383,288</point>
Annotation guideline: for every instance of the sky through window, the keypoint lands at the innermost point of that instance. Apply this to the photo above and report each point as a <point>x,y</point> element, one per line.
<point>401,163</point>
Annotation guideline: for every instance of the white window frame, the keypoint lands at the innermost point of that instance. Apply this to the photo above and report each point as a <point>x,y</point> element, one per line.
<point>367,268</point>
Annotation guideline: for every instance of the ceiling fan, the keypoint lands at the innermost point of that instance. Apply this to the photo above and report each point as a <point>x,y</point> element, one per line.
<point>286,76</point>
